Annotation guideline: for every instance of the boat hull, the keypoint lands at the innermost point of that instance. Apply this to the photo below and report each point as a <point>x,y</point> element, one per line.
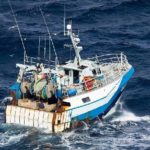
<point>101,101</point>
<point>101,106</point>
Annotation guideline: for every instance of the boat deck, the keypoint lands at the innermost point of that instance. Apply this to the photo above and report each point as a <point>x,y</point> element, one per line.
<point>36,105</point>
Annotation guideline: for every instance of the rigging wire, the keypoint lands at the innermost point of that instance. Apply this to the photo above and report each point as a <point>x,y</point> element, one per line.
<point>49,34</point>
<point>23,45</point>
<point>39,47</point>
<point>49,49</point>
<point>45,48</point>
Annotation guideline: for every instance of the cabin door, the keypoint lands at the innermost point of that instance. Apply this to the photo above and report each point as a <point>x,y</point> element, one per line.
<point>75,76</point>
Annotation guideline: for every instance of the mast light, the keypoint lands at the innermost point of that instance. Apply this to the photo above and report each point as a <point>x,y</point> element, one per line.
<point>69,27</point>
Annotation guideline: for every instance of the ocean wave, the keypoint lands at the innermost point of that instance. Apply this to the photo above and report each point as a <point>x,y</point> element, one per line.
<point>142,81</point>
<point>126,116</point>
<point>116,5</point>
<point>105,26</point>
<point>8,138</point>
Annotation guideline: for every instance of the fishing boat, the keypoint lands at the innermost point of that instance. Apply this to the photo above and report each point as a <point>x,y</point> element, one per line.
<point>57,97</point>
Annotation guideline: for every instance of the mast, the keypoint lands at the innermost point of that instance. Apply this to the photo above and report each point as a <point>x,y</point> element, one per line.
<point>39,47</point>
<point>64,20</point>
<point>75,41</point>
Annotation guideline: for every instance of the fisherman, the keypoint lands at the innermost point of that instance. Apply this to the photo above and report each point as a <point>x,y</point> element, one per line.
<point>28,94</point>
<point>58,92</point>
<point>38,67</point>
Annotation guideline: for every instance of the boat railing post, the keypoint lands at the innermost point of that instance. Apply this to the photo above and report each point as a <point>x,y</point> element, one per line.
<point>118,66</point>
<point>125,62</point>
<point>105,80</point>
<point>97,85</point>
<point>121,59</point>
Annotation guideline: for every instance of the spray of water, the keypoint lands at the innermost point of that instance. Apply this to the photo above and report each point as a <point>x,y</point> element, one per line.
<point>7,138</point>
<point>120,114</point>
<point>117,108</point>
<point>129,116</point>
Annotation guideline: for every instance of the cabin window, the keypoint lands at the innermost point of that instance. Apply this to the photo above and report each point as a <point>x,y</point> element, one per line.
<point>98,71</point>
<point>86,99</point>
<point>82,67</point>
<point>75,76</point>
<point>94,72</point>
<point>66,72</point>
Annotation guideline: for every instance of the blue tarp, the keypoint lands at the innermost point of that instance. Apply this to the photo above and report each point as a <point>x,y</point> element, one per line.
<point>58,93</point>
<point>16,88</point>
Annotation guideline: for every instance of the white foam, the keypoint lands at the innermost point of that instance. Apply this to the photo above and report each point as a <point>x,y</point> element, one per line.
<point>85,125</point>
<point>129,116</point>
<point>8,98</point>
<point>124,115</point>
<point>7,139</point>
<point>4,101</point>
<point>65,138</point>
<point>45,130</point>
<point>114,109</point>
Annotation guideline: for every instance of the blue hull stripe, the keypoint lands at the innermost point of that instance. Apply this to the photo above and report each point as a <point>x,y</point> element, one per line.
<point>101,110</point>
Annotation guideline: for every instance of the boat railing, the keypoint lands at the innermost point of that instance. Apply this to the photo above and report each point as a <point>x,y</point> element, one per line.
<point>97,82</point>
<point>34,60</point>
<point>110,58</point>
<point>115,66</point>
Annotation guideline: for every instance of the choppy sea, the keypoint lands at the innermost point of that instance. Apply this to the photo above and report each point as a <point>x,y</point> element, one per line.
<point>104,26</point>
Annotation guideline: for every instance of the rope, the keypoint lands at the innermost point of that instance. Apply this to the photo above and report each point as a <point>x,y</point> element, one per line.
<point>25,53</point>
<point>49,33</point>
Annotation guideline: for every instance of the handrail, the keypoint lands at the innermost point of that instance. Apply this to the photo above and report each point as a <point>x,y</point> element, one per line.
<point>35,60</point>
<point>120,64</point>
<point>107,57</point>
<point>117,62</point>
<point>105,81</point>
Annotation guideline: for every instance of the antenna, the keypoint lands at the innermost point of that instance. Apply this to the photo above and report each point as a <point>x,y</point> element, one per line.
<point>39,47</point>
<point>25,53</point>
<point>78,31</point>
<point>49,49</point>
<point>45,48</point>
<point>64,20</point>
<point>49,34</point>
